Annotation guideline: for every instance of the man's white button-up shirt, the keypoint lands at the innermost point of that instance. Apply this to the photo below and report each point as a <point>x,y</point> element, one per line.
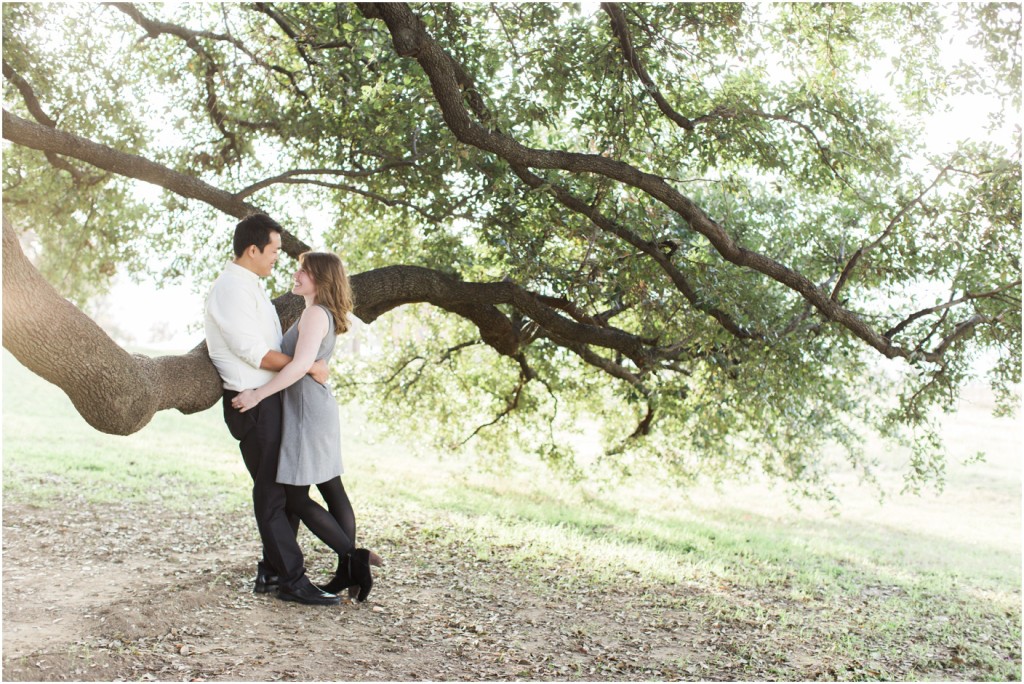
<point>241,327</point>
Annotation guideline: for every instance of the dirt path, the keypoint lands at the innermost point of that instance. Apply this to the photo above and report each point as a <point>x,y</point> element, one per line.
<point>141,593</point>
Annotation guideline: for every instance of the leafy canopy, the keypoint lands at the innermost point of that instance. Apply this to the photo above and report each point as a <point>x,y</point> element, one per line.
<point>800,129</point>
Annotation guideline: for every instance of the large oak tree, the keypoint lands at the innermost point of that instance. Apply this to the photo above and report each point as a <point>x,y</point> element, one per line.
<point>721,230</point>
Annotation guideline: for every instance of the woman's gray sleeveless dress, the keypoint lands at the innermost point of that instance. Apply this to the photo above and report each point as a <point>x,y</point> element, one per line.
<point>310,428</point>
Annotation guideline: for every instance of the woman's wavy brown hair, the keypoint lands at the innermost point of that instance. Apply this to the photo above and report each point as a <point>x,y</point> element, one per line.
<point>332,287</point>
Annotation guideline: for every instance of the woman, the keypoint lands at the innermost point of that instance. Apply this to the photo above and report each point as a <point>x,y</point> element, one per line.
<point>310,433</point>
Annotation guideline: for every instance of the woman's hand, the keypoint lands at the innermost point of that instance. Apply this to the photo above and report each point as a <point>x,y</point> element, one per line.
<point>246,400</point>
<point>319,372</point>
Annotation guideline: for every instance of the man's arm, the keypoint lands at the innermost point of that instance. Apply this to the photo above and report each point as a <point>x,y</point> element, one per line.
<point>275,361</point>
<point>233,313</point>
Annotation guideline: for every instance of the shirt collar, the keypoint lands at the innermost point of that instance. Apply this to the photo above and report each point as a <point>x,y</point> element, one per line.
<point>241,271</point>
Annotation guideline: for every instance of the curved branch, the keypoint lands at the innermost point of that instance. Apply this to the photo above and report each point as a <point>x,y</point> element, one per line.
<point>268,9</point>
<point>38,137</point>
<point>287,176</point>
<point>511,403</point>
<point>36,110</point>
<point>859,254</point>
<point>116,392</point>
<point>28,94</point>
<point>386,288</point>
<point>616,370</point>
<point>381,290</point>
<point>621,31</point>
<point>217,114</point>
<point>454,91</point>
<point>968,296</point>
<point>648,247</point>
<point>375,196</point>
<point>962,330</point>
<point>154,28</point>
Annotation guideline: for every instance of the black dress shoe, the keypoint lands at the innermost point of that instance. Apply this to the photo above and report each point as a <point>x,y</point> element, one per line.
<point>265,581</point>
<point>265,584</point>
<point>305,592</point>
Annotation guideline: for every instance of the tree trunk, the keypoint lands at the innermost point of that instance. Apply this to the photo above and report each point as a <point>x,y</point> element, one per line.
<point>113,390</point>
<point>118,392</point>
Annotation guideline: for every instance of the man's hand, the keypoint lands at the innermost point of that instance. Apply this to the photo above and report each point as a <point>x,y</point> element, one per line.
<point>319,372</point>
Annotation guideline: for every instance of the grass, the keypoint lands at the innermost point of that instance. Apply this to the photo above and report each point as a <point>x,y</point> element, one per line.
<point>922,587</point>
<point>50,450</point>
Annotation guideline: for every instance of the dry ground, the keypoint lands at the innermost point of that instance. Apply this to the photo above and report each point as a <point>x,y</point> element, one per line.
<point>140,592</point>
<point>135,592</point>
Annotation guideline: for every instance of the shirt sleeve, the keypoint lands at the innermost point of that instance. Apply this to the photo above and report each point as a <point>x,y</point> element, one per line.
<point>236,313</point>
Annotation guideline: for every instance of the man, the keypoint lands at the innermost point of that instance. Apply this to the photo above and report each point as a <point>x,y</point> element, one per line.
<point>243,335</point>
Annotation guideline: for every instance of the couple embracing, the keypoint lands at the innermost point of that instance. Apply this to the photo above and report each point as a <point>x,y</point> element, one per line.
<point>282,414</point>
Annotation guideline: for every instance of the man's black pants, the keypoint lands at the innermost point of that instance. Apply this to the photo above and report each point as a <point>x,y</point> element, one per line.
<point>258,432</point>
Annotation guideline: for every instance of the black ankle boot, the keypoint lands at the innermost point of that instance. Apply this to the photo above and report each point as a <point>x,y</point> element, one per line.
<point>353,572</point>
<point>342,577</point>
<point>359,571</point>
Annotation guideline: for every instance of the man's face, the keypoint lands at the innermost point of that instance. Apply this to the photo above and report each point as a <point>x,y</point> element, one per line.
<point>263,262</point>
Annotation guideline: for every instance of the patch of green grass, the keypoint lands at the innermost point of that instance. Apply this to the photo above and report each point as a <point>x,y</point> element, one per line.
<point>918,587</point>
<point>50,450</point>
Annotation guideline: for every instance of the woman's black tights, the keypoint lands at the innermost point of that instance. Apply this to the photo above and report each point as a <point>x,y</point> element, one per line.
<point>336,526</point>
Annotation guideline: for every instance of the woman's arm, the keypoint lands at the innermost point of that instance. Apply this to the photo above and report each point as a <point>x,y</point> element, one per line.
<point>312,327</point>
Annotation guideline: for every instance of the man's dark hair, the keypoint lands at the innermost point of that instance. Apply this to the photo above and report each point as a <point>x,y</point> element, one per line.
<point>254,230</point>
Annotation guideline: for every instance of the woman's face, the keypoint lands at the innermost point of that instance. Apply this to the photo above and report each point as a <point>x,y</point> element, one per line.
<point>304,284</point>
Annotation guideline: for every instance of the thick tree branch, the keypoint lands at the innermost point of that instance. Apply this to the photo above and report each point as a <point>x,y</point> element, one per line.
<point>38,137</point>
<point>116,392</point>
<point>454,90</point>
<point>392,286</point>
<point>594,359</point>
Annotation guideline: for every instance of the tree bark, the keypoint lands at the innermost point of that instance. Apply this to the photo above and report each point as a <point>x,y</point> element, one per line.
<point>116,392</point>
